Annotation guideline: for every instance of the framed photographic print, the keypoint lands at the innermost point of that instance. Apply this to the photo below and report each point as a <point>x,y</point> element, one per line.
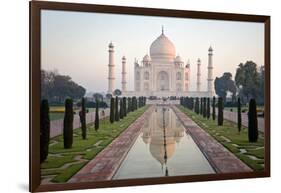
<point>123,96</point>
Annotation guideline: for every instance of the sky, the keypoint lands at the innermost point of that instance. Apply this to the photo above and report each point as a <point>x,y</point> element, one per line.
<point>76,44</point>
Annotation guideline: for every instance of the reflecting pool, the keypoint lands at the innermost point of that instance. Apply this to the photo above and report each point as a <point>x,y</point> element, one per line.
<point>163,148</point>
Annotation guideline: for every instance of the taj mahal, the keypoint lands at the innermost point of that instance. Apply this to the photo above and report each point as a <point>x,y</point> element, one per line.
<point>161,73</point>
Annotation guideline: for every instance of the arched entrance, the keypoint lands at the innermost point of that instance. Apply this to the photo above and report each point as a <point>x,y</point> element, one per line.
<point>163,83</point>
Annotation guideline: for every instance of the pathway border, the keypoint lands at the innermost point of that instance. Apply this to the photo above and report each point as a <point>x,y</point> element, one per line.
<point>106,163</point>
<point>221,159</point>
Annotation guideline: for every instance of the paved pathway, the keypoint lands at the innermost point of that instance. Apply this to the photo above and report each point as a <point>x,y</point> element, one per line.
<point>222,160</point>
<point>232,116</point>
<point>107,162</point>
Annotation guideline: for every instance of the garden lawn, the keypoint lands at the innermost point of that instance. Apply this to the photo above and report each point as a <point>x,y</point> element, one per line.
<point>62,164</point>
<point>250,153</point>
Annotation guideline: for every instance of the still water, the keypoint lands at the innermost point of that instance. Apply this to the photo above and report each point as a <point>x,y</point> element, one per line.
<point>163,148</point>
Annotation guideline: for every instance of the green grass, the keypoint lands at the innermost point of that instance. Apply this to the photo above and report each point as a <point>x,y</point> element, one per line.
<point>230,131</point>
<point>56,116</point>
<point>87,149</point>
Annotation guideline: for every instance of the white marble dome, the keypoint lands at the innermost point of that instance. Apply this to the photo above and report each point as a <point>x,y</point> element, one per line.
<point>162,48</point>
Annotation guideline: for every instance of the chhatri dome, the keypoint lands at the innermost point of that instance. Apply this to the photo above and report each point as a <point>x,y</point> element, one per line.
<point>162,47</point>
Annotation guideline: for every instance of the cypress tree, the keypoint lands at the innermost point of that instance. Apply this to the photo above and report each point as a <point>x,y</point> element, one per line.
<point>97,119</point>
<point>44,130</point>
<point>134,103</point>
<point>239,118</point>
<point>68,124</point>
<point>204,107</point>
<point>116,109</point>
<point>214,108</point>
<point>83,119</point>
<point>121,111</point>
<point>129,104</point>
<point>191,103</point>
<point>125,106</point>
<point>208,108</point>
<point>252,122</point>
<point>220,111</point>
<point>112,117</point>
<point>201,106</point>
<point>197,105</point>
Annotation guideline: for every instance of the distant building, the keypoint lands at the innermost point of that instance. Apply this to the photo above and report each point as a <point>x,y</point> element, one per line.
<point>161,73</point>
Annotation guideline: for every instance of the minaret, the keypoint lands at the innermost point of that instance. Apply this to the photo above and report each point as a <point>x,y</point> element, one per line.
<point>124,74</point>
<point>187,76</point>
<point>198,75</point>
<point>210,72</point>
<point>111,73</point>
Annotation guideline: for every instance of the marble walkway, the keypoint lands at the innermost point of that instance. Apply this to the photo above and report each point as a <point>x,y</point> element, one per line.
<point>222,160</point>
<point>107,162</point>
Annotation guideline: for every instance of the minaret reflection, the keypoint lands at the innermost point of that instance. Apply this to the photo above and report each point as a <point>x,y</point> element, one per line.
<point>162,132</point>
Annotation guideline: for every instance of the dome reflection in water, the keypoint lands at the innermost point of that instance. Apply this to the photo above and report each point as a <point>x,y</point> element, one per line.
<point>163,148</point>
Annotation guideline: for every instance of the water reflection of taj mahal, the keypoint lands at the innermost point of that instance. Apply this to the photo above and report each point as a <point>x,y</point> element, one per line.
<point>153,134</point>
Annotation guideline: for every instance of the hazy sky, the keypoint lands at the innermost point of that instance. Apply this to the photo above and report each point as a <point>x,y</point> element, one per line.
<point>76,44</point>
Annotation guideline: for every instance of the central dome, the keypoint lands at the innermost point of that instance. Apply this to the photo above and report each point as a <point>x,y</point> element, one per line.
<point>162,48</point>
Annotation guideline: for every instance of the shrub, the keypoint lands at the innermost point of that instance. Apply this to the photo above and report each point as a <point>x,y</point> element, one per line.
<point>116,109</point>
<point>252,122</point>
<point>44,130</point>
<point>239,119</point>
<point>68,124</point>
<point>214,108</point>
<point>82,115</point>
<point>220,111</point>
<point>97,118</point>
<point>112,117</point>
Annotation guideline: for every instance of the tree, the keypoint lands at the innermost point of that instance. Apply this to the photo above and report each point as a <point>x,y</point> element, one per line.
<point>252,122</point>
<point>116,109</point>
<point>44,130</point>
<point>129,104</point>
<point>204,107</point>
<point>197,105</point>
<point>117,92</point>
<point>125,106</point>
<point>239,119</point>
<point>68,124</point>
<point>98,96</point>
<point>97,119</point>
<point>214,108</point>
<point>112,110</point>
<point>82,115</point>
<point>121,112</point>
<point>249,81</point>
<point>108,96</point>
<point>208,108</point>
<point>220,111</point>
<point>225,84</point>
<point>56,88</point>
<point>201,106</point>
